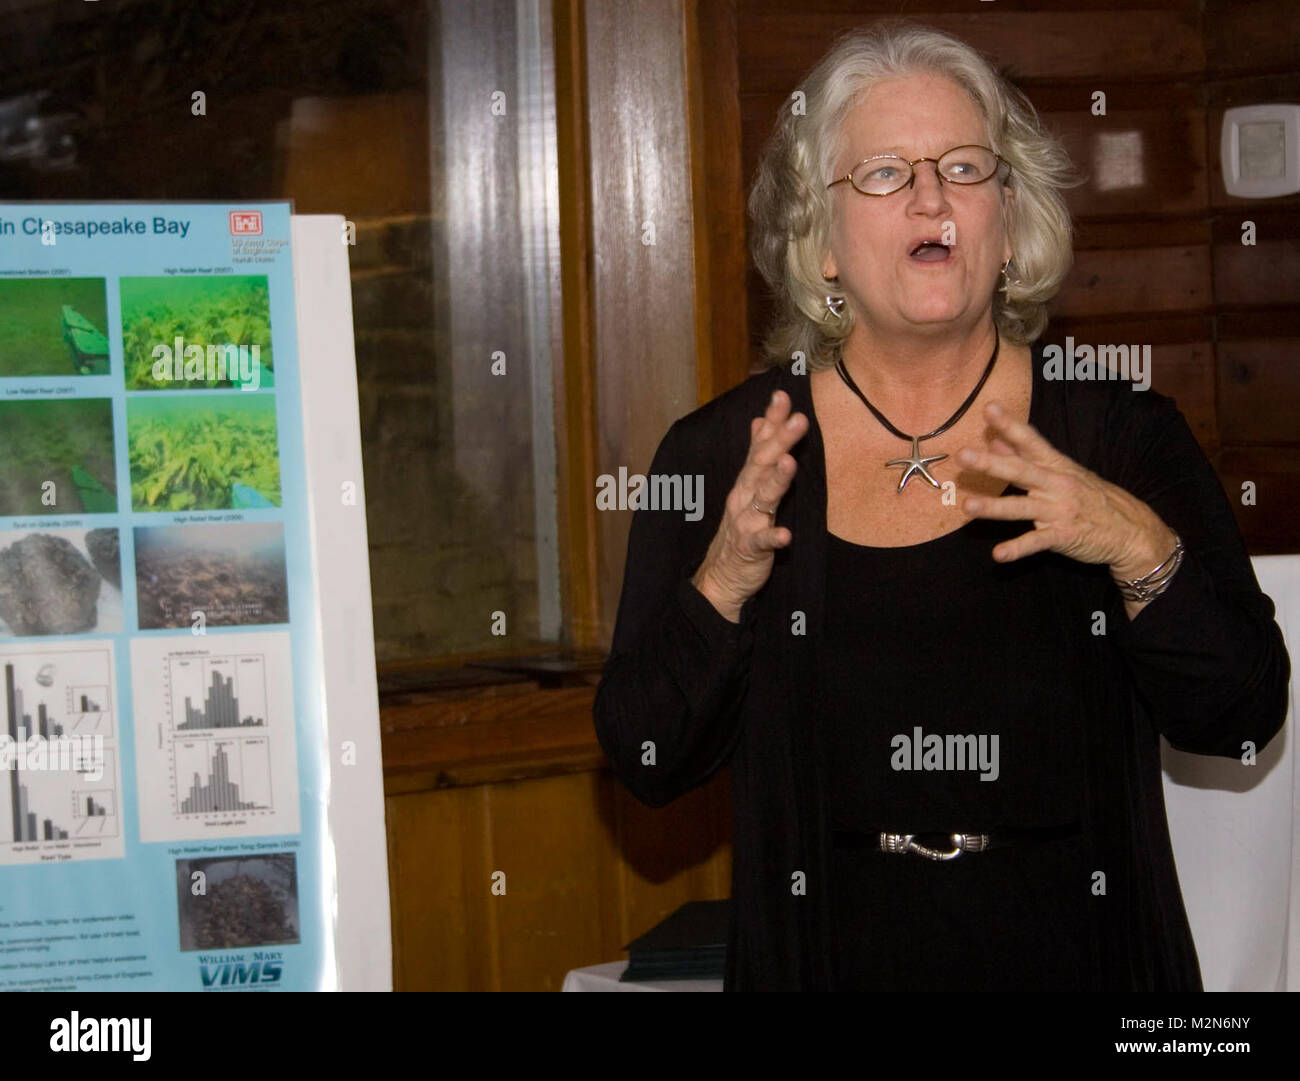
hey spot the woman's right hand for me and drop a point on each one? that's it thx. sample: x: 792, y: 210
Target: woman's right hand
x: 739, y: 560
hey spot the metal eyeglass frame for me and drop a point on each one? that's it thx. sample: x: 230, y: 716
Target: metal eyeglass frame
x: 911, y: 169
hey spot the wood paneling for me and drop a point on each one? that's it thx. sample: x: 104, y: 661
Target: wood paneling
x: 1243, y: 38
x: 1091, y: 234
x: 778, y: 48
x: 1252, y: 57
x: 477, y: 739
x: 1181, y: 362
x: 722, y: 311
x: 1266, y: 272
x: 670, y: 855
x: 542, y: 837
x: 1273, y: 523
x: 1140, y: 162
x: 1137, y: 280
x: 925, y: 11
x: 643, y: 248
x: 576, y: 377
x: 1259, y: 386
x: 430, y: 854
x: 586, y: 868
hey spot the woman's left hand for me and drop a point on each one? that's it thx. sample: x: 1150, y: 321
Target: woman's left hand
x: 1074, y: 511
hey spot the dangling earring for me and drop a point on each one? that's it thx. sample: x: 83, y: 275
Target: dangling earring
x: 834, y: 306
x: 1007, y: 279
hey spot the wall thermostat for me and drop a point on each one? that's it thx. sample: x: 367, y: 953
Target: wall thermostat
x: 1260, y: 151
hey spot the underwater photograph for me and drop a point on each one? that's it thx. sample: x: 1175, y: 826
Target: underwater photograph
x: 203, y: 452
x: 200, y: 311
x: 234, y: 574
x: 250, y: 901
x: 57, y: 457
x: 53, y: 326
x: 60, y: 581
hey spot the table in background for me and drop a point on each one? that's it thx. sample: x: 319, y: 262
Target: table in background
x: 606, y: 978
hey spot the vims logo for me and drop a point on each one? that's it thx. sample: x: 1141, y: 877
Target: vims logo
x: 261, y: 970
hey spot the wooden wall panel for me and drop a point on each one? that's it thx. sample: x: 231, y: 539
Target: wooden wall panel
x: 433, y: 841
x: 1109, y: 283
x: 777, y: 48
x: 1273, y: 523
x: 1185, y: 372
x: 548, y: 920
x: 1141, y: 162
x: 671, y: 855
x: 1252, y: 57
x: 642, y: 249
x: 575, y: 379
x: 587, y: 868
x: 1267, y: 272
x: 722, y: 312
x: 1259, y: 386
x: 1249, y: 38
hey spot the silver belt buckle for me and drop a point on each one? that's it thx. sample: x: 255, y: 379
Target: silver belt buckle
x: 903, y: 843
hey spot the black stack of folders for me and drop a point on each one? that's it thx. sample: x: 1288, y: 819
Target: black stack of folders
x: 691, y: 944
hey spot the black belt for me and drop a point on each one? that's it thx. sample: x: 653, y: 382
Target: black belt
x: 937, y: 845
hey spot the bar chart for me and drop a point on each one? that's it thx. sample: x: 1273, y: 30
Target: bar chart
x: 88, y: 710
x: 40, y: 808
x: 94, y: 803
x: 58, y: 714
x: 25, y: 819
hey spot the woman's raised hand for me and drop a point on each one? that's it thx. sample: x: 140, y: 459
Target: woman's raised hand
x: 739, y: 559
x: 1075, y: 512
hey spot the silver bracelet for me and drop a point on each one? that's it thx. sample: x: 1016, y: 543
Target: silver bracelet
x: 1155, y: 583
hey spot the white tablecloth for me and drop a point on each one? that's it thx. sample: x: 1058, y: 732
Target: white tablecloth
x: 1235, y: 840
x: 605, y: 978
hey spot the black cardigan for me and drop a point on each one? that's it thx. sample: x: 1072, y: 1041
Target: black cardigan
x: 1204, y: 664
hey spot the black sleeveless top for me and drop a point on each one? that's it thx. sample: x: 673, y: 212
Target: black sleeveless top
x: 941, y: 667
x: 938, y: 656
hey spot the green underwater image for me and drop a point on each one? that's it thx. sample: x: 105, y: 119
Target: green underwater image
x: 203, y: 452
x: 67, y: 445
x: 53, y: 326
x: 201, y: 311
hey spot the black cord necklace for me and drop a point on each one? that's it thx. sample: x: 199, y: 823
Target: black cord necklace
x: 914, y: 463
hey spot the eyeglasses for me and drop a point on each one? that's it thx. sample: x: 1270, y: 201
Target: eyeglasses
x: 885, y: 174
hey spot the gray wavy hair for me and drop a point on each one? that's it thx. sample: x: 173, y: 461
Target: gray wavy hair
x: 790, y: 207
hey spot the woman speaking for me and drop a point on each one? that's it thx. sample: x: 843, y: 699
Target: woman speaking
x: 940, y: 602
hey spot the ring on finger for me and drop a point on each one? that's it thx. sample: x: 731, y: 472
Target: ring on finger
x: 762, y: 510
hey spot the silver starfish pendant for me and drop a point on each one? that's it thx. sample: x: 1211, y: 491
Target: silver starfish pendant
x: 915, y: 464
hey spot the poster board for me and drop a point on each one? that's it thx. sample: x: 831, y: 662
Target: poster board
x: 192, y: 785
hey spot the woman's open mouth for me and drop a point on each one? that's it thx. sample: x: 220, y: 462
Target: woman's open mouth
x: 930, y: 251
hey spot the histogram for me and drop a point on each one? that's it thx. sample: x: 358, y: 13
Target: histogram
x: 220, y: 707
x: 221, y: 791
